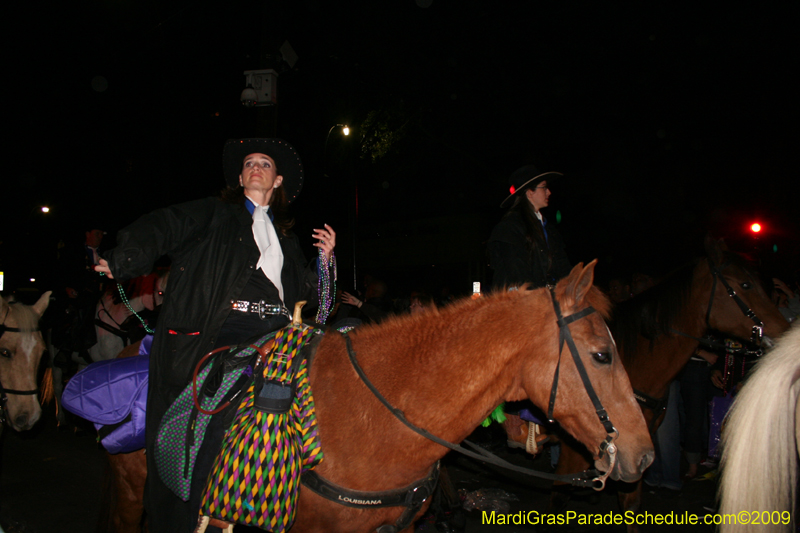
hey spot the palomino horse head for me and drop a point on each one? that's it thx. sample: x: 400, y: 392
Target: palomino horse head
x: 21, y: 348
x: 573, y: 407
x: 732, y: 273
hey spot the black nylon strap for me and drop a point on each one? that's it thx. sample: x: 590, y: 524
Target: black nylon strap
x: 657, y: 405
x: 717, y: 273
x: 3, y: 390
x: 581, y: 479
x: 413, y: 494
x: 565, y: 336
x: 4, y: 328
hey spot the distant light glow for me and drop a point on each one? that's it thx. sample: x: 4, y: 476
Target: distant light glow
x: 33, y: 280
x: 775, y: 248
x: 755, y: 227
x: 558, y: 217
x: 45, y: 209
x: 512, y: 189
x: 346, y: 130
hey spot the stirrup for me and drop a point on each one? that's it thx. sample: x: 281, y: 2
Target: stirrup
x: 531, y: 445
x: 204, y: 521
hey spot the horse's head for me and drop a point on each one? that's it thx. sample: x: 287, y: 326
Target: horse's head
x: 573, y: 406
x: 151, y: 289
x: 728, y: 313
x: 21, y: 348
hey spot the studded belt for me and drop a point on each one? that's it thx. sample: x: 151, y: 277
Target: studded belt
x: 263, y: 309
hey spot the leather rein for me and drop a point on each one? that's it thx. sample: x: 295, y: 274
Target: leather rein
x: 4, y: 391
x: 415, y: 494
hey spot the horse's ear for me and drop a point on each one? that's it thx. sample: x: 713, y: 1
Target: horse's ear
x: 715, y: 248
x: 41, y: 305
x: 581, y: 280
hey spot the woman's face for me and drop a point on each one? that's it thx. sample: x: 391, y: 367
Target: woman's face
x: 538, y: 196
x: 259, y: 173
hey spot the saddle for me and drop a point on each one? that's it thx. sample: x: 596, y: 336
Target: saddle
x: 113, y: 395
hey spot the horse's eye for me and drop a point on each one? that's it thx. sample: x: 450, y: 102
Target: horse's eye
x: 604, y: 358
x: 746, y: 285
x: 5, y: 353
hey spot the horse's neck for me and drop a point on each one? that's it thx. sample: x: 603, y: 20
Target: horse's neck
x: 658, y: 362
x: 444, y: 379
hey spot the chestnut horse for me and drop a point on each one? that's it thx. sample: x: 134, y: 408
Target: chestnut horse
x: 21, y: 348
x: 446, y: 370
x: 658, y: 331
x: 760, y: 443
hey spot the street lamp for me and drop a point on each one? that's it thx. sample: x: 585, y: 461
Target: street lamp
x: 353, y: 214
x: 345, y: 132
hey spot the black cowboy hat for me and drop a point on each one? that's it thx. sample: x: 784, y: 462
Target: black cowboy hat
x: 285, y: 156
x: 525, y: 177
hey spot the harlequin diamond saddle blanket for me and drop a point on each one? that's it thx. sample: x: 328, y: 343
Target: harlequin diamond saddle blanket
x: 255, y: 479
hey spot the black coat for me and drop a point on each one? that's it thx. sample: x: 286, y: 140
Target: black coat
x: 213, y: 255
x: 515, y: 263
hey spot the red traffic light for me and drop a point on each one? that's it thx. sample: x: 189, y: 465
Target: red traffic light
x: 755, y: 227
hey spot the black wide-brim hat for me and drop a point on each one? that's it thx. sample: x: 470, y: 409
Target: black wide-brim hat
x: 526, y: 177
x: 286, y: 159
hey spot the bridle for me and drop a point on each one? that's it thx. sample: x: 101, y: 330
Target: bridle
x: 566, y: 337
x: 589, y: 478
x: 757, y: 334
x: 4, y: 391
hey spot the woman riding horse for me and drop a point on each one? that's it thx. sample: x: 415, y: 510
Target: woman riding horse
x: 524, y: 247
x: 236, y: 269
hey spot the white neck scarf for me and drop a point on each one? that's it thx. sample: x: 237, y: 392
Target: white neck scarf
x: 271, y: 260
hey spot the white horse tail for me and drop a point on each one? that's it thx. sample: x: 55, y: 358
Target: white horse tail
x: 760, y: 444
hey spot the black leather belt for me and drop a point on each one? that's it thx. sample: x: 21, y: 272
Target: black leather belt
x: 262, y: 308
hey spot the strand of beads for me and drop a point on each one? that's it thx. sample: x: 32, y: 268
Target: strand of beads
x: 124, y: 298
x: 326, y: 286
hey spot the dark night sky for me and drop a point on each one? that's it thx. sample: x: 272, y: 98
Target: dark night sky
x: 665, y: 120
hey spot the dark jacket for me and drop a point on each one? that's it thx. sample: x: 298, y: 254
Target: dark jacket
x: 515, y: 262
x: 213, y: 255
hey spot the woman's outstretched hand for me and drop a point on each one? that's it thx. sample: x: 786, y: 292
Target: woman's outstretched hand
x: 327, y: 240
x: 103, y: 268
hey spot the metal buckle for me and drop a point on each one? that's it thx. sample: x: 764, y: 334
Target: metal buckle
x: 266, y: 310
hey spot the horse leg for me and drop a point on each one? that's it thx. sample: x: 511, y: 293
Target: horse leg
x: 631, y: 501
x: 128, y: 474
x: 58, y: 388
x: 569, y: 462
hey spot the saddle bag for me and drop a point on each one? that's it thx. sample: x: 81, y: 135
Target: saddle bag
x: 113, y: 395
x: 183, y: 426
x: 255, y: 479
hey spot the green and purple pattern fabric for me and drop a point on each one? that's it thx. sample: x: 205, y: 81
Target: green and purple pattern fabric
x: 255, y: 479
x: 174, y: 465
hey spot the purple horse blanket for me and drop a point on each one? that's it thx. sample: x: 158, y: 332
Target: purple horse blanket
x: 113, y: 395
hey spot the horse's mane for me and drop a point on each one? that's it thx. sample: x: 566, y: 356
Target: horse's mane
x: 759, y: 460
x: 653, y: 312
x: 467, y: 306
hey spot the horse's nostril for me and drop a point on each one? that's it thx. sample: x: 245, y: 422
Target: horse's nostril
x: 21, y: 422
x: 647, y: 460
